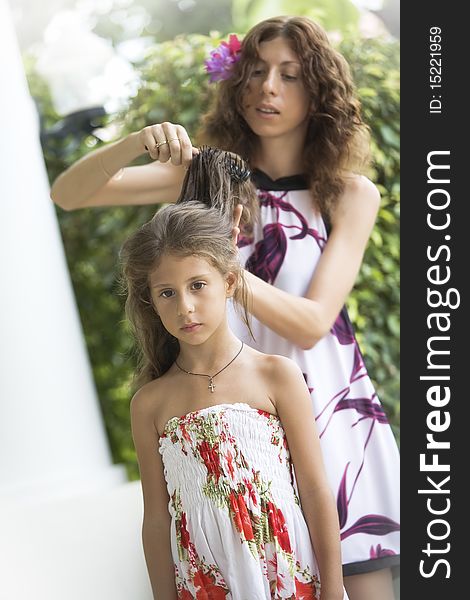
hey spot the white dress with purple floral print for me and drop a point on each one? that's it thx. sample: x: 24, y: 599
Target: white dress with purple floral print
x: 237, y: 529
x: 360, y: 453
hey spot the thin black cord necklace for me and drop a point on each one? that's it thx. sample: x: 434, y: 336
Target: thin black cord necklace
x: 211, y: 385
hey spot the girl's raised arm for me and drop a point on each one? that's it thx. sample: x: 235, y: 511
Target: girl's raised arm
x: 305, y: 320
x: 103, y: 178
x: 156, y: 522
x: 294, y: 407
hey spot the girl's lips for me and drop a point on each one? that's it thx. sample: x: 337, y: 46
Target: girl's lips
x: 266, y: 115
x: 191, y: 327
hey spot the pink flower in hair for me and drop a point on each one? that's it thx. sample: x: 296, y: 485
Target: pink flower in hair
x: 222, y: 60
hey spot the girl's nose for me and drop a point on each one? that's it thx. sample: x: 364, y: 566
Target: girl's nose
x: 185, y: 306
x: 270, y: 83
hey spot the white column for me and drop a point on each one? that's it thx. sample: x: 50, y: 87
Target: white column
x: 52, y: 439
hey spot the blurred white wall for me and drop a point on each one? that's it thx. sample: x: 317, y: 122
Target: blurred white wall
x: 81, y: 548
x: 70, y: 526
x: 51, y: 431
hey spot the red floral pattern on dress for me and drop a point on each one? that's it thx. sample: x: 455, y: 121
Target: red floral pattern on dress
x: 184, y: 532
x: 278, y: 527
x: 210, y: 456
x: 207, y: 589
x: 305, y: 591
x: 243, y: 516
x: 243, y: 493
x: 229, y: 460
x: 184, y: 432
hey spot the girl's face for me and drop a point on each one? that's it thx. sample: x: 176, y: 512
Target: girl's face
x: 275, y: 101
x: 189, y: 295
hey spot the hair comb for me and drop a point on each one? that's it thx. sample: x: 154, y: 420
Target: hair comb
x: 237, y: 168
x: 233, y: 164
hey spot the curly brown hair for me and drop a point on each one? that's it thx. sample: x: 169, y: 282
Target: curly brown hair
x: 337, y: 138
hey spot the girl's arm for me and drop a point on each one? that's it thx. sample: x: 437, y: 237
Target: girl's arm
x: 97, y: 180
x: 294, y: 406
x: 156, y: 522
x: 305, y: 320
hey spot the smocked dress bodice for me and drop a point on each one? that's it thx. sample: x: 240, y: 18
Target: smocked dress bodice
x: 237, y: 528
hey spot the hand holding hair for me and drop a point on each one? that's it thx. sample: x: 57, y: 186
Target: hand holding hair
x: 168, y: 142
x: 221, y: 179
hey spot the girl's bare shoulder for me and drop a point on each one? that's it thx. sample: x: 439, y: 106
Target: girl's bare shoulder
x: 360, y: 201
x: 359, y: 189
x: 274, y: 367
x: 149, y: 401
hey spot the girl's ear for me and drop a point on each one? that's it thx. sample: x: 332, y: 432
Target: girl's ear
x: 231, y: 281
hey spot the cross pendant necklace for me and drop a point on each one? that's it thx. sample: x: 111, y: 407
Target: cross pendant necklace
x: 211, y: 385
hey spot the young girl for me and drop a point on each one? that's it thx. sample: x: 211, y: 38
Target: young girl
x: 222, y: 518
x: 287, y: 104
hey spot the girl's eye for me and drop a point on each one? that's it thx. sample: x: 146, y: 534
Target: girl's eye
x: 257, y: 72
x: 288, y: 77
x: 198, y: 285
x: 166, y: 293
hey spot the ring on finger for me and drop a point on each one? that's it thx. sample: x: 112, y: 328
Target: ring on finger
x: 174, y: 139
x: 158, y: 144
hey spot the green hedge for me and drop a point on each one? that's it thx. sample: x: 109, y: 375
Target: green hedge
x: 174, y: 87
x: 374, y: 304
